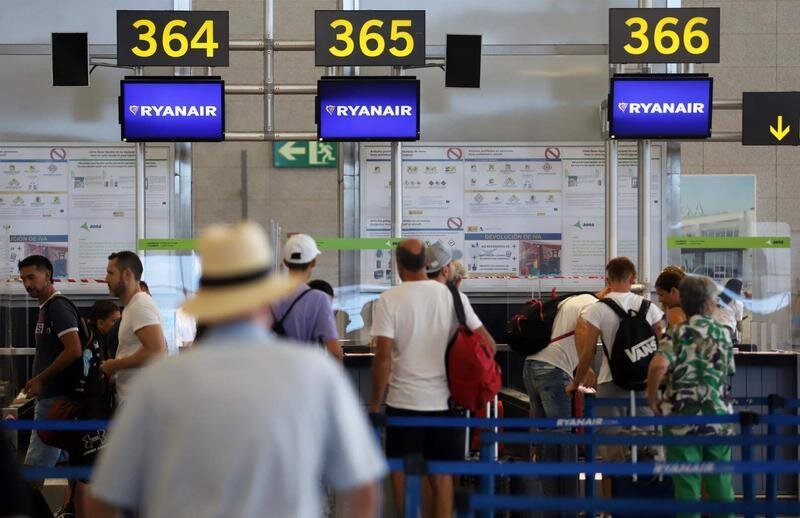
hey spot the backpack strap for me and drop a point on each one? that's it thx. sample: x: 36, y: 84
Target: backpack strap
x: 458, y: 304
x: 614, y: 307
x: 644, y: 308
x: 84, y: 333
x: 292, y: 306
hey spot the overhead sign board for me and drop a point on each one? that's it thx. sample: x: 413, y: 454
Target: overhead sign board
x: 304, y: 153
x: 367, y: 108
x: 369, y: 38
x: 172, y: 38
x: 771, y: 118
x: 686, y: 35
x: 660, y: 106
x: 172, y: 109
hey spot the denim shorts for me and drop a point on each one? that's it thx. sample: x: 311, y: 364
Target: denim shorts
x: 39, y: 454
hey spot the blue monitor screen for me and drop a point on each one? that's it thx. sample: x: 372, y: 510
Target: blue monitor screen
x: 368, y: 109
x: 660, y: 107
x: 166, y: 109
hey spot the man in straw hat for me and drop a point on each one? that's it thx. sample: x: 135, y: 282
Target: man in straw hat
x: 245, y: 424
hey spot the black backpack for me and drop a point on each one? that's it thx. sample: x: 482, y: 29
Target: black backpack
x: 85, y: 379
x: 90, y: 396
x: 634, y: 346
x: 530, y: 330
x: 277, y: 325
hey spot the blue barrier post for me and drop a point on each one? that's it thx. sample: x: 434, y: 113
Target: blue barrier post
x: 414, y: 468
x: 747, y: 420
x: 487, y: 481
x: 589, y: 483
x: 774, y: 402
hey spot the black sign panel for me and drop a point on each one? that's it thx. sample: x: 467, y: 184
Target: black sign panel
x: 369, y: 38
x: 689, y: 35
x: 172, y: 38
x: 771, y: 118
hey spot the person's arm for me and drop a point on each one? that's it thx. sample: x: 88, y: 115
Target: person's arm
x: 586, y: 341
x: 655, y: 374
x: 381, y: 368
x: 152, y: 340
x: 100, y: 509
x: 335, y: 349
x: 658, y: 329
x: 72, y: 351
x: 359, y: 502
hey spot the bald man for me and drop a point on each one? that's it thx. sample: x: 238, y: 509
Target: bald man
x: 412, y: 324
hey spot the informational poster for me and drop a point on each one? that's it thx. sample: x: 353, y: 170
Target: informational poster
x: 529, y: 212
x: 75, y: 204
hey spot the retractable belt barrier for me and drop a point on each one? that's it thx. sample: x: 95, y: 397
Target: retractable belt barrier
x: 485, y: 501
x: 487, y: 468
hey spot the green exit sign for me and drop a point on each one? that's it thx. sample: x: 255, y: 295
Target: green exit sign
x: 304, y: 153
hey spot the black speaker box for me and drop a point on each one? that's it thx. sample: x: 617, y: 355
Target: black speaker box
x: 463, y: 61
x: 70, y: 52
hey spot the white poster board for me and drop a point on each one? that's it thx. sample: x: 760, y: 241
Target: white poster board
x: 526, y: 216
x: 75, y: 204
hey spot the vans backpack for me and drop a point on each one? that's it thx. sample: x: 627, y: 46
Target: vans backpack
x: 473, y: 376
x: 529, y: 331
x: 634, y: 346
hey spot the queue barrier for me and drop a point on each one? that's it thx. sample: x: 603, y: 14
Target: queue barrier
x: 486, y: 501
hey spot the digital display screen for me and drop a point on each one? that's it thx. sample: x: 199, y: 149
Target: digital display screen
x: 172, y: 109
x: 660, y: 107
x: 368, y: 108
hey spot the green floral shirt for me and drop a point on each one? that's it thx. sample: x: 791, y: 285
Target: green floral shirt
x: 700, y: 356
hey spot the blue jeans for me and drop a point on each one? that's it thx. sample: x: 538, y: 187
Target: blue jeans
x: 545, y: 385
x: 39, y: 454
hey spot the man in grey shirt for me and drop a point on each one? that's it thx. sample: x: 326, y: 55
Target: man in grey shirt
x: 244, y: 424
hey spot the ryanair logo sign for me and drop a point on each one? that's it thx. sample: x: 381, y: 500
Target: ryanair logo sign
x: 173, y: 110
x: 642, y: 108
x: 357, y: 110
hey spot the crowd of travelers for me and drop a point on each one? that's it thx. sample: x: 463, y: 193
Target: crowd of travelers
x: 251, y: 421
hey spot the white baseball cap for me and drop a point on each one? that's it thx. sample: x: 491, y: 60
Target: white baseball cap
x: 300, y: 249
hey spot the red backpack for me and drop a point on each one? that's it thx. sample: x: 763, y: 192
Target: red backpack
x: 472, y: 374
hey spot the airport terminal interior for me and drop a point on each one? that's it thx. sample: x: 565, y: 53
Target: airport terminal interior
x: 524, y: 145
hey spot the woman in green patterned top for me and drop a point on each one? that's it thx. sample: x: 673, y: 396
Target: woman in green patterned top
x: 695, y: 359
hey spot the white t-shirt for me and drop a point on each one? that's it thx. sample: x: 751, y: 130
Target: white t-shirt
x: 563, y: 353
x: 603, y: 318
x: 140, y: 312
x: 729, y: 315
x: 420, y: 317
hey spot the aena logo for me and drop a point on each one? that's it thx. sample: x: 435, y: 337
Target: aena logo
x: 87, y: 227
x: 375, y: 110
x: 649, y: 108
x: 173, y: 111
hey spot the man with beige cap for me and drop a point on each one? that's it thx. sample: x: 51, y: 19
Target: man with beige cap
x: 245, y: 424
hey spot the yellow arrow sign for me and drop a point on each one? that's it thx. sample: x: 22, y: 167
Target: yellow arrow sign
x: 781, y: 131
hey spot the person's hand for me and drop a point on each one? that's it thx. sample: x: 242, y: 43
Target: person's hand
x: 572, y: 387
x: 33, y: 388
x: 108, y: 368
x: 654, y: 403
x: 589, y: 379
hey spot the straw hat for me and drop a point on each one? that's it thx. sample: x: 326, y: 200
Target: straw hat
x: 238, y: 274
